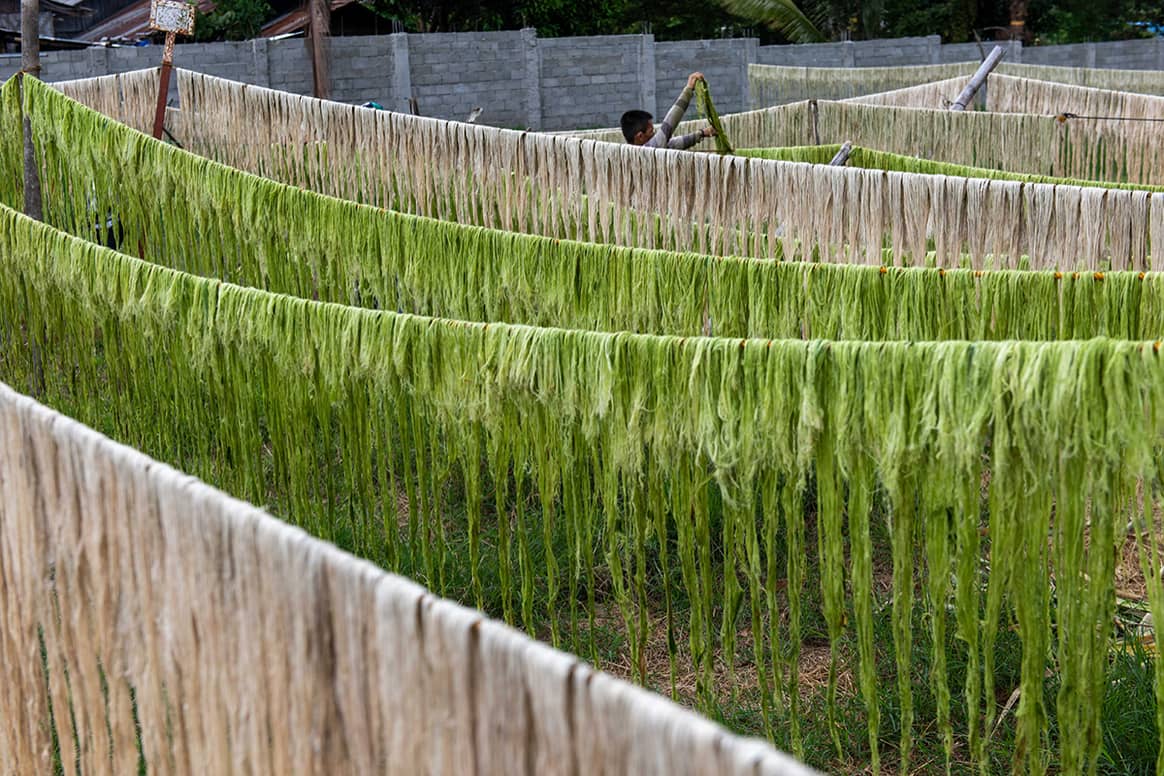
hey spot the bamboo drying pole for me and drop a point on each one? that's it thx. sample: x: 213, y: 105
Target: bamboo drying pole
x: 978, y: 79
x: 842, y: 157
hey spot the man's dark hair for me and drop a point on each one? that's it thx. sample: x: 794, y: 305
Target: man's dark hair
x: 634, y: 122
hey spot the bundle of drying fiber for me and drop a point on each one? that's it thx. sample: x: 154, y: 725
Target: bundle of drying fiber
x: 1104, y: 150
x: 1008, y: 94
x: 185, y: 631
x: 837, y: 214
x: 938, y: 95
x: 781, y: 84
x: 772, y: 85
x: 1138, y: 81
x: 612, y: 453
x: 219, y: 222
x: 91, y: 166
x: 1095, y: 150
x: 860, y: 156
x: 131, y: 97
x: 697, y: 202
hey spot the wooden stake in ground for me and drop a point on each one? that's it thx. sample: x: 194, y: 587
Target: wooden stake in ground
x: 979, y: 78
x: 171, y: 18
x: 30, y: 65
x: 318, y: 32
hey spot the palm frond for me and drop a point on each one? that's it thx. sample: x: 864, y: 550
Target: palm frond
x: 781, y: 15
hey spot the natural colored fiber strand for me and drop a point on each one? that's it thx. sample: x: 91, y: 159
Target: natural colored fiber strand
x: 750, y: 207
x: 128, y: 97
x: 782, y: 84
x: 1122, y: 151
x: 936, y: 94
x: 218, y: 639
x: 883, y: 160
x: 772, y: 85
x: 270, y: 397
x: 1010, y: 94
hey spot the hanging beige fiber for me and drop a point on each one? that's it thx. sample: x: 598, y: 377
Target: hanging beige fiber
x: 705, y: 202
x: 128, y: 97
x: 1008, y: 94
x: 222, y: 640
x: 937, y: 94
x: 782, y: 84
x: 772, y: 85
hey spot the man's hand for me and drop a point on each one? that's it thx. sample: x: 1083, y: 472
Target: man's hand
x: 693, y: 78
x: 708, y: 131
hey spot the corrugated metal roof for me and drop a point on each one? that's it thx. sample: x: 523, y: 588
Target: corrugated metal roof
x: 131, y: 23
x: 296, y: 20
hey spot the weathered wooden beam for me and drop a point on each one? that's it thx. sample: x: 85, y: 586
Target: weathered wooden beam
x: 30, y: 65
x: 978, y: 79
x: 319, y: 30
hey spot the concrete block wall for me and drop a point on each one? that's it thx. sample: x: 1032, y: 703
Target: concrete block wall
x: 807, y: 55
x: 952, y: 53
x: 1070, y: 55
x: 361, y: 69
x: 887, y: 52
x: 286, y: 65
x: 589, y: 82
x: 452, y: 73
x: 522, y: 80
x: 723, y: 62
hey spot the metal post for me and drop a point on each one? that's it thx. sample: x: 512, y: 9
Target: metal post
x: 171, y: 17
x: 164, y: 85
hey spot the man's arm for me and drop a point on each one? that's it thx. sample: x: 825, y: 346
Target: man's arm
x: 662, y: 136
x: 683, y: 142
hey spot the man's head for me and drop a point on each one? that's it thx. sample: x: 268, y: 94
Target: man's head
x: 637, y: 127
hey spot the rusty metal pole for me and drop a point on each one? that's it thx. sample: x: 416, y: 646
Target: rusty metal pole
x: 164, y: 85
x: 171, y: 17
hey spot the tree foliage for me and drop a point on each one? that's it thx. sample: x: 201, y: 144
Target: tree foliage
x: 232, y: 20
x: 678, y: 20
x: 773, y: 21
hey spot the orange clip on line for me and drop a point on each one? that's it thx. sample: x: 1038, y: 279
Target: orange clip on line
x: 884, y: 270
x: 1058, y: 276
x: 1156, y: 347
x: 1142, y: 276
x: 1098, y: 276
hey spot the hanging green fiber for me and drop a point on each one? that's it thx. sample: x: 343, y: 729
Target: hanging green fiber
x: 632, y: 446
x: 568, y: 188
x: 707, y: 109
x: 222, y: 223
